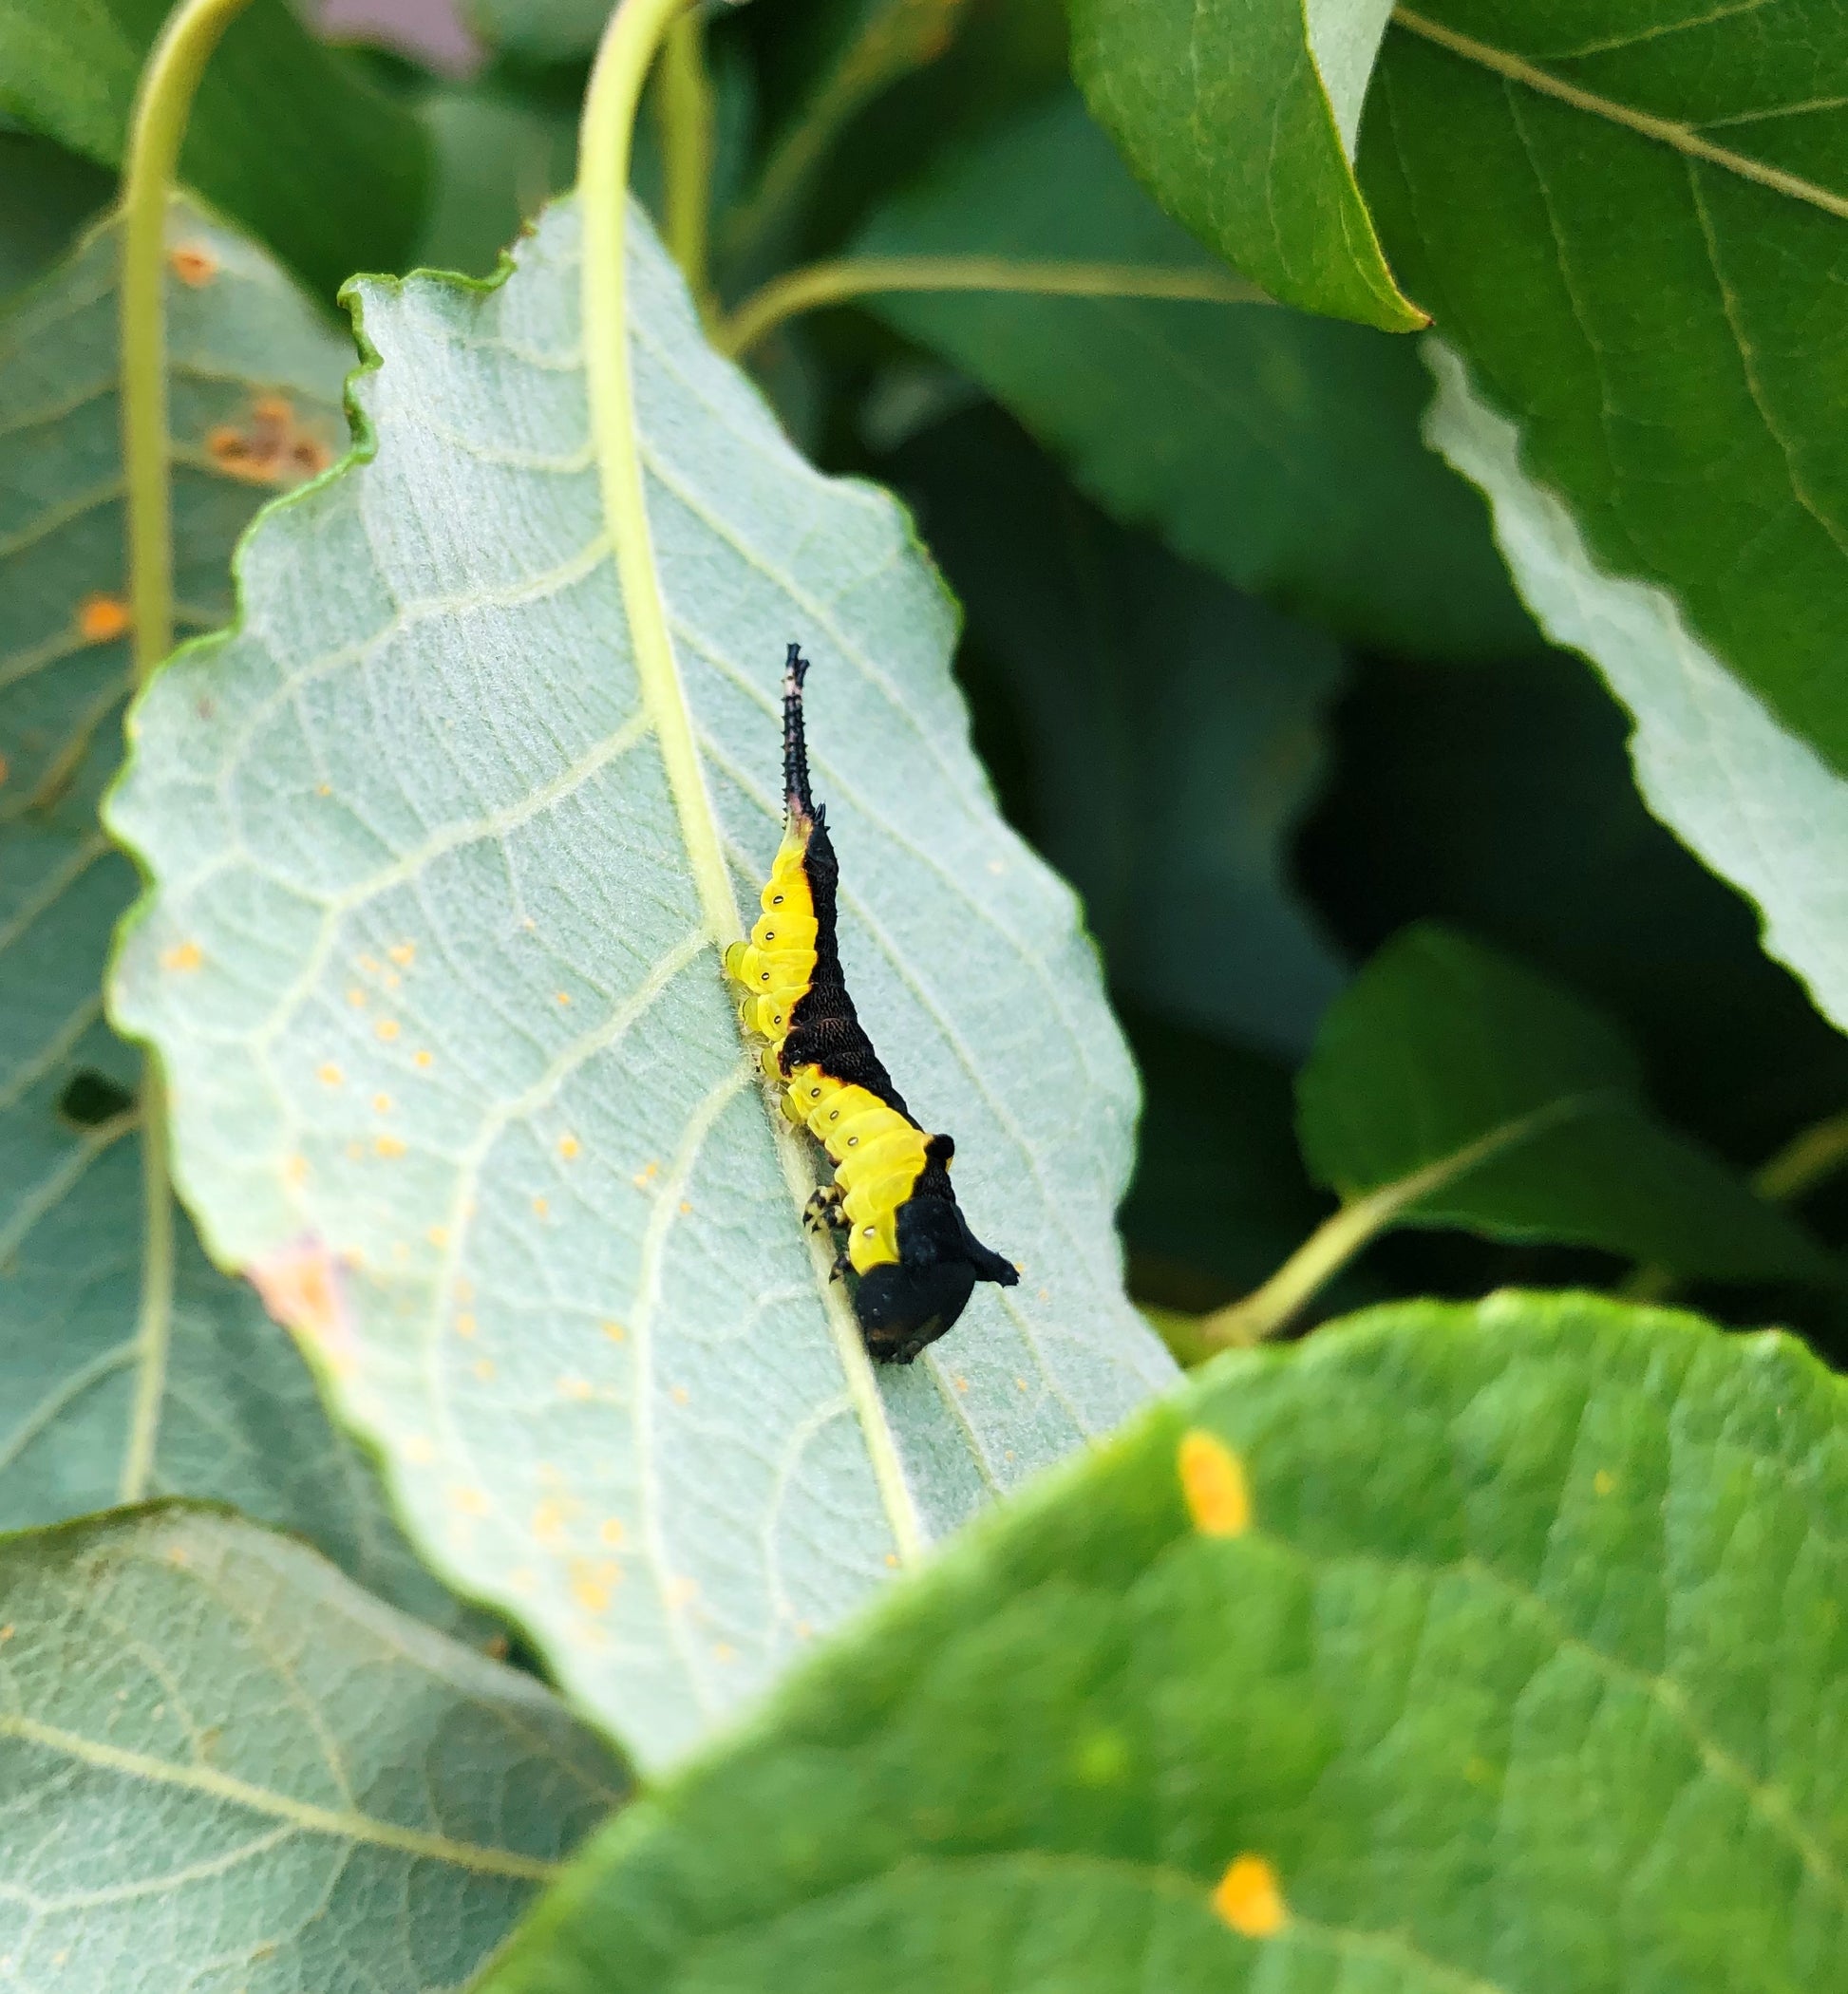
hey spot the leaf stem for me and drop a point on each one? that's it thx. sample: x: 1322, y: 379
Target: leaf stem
x: 623, y: 58
x: 835, y: 282
x: 685, y: 102
x: 1810, y: 1157
x: 163, y: 102
x: 1271, y: 1307
x: 154, y: 1319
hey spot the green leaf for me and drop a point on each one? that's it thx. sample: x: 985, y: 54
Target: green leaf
x: 227, y: 1766
x: 498, y: 160
x: 1175, y: 730
x: 541, y: 31
x: 97, y: 1401
x: 1242, y: 115
x: 457, y: 1073
x: 289, y: 136
x: 839, y: 57
x: 47, y: 194
x: 1750, y: 797
x: 1475, y: 1094
x: 1499, y: 799
x: 1631, y: 226
x: 1523, y: 1669
x: 1281, y: 452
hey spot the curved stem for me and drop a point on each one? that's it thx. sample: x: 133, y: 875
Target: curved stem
x: 1271, y: 1307
x: 833, y: 283
x: 163, y: 102
x: 623, y: 58
x: 686, y: 106
x: 1809, y: 1157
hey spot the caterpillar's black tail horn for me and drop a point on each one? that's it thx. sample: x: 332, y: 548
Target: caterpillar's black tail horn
x: 795, y: 736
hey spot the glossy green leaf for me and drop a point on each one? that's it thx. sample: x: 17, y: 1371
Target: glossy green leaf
x: 1175, y: 728
x: 1281, y: 452
x: 97, y: 1401
x: 1754, y: 800
x: 290, y: 136
x: 1519, y: 1667
x: 1632, y: 224
x: 1243, y: 114
x: 455, y: 1071
x: 226, y: 1767
x: 1508, y: 1107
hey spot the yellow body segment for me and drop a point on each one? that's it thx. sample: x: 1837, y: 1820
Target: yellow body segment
x: 877, y: 1152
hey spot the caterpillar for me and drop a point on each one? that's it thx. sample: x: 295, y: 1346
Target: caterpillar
x: 915, y: 1260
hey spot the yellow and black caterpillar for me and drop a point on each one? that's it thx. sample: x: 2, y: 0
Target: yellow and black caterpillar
x: 915, y: 1260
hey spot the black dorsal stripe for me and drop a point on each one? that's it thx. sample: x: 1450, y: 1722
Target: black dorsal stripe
x: 824, y: 1029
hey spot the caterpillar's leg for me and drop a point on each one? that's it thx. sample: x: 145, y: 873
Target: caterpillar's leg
x: 824, y: 1208
x: 842, y: 1264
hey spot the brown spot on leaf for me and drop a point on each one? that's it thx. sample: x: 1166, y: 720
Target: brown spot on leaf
x: 271, y: 446
x: 192, y: 264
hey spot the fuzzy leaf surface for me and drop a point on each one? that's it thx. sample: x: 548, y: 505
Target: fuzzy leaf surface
x: 1743, y: 790
x: 94, y: 1405
x: 227, y: 1766
x: 1494, y: 1649
x: 455, y: 1071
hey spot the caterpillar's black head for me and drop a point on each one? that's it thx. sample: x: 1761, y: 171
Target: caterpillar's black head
x: 906, y: 1304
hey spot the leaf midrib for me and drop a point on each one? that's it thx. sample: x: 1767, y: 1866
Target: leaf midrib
x: 304, y: 1815
x: 1681, y: 137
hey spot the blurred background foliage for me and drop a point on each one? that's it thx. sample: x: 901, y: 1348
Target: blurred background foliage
x: 1242, y: 660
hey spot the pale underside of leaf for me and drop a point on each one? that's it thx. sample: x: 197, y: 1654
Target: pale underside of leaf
x: 93, y: 1409
x: 455, y: 1072
x: 1751, y: 800
x: 224, y: 1764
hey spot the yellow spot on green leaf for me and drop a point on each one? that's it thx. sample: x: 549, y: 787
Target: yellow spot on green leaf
x: 569, y: 1146
x: 387, y: 1027
x: 1248, y: 1898
x: 1213, y: 1480
x: 388, y: 1145
x: 1603, y: 1482
x: 183, y: 956
x: 328, y: 1073
x: 402, y: 953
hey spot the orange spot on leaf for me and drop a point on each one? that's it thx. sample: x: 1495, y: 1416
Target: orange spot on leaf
x: 301, y: 1286
x: 1248, y: 1898
x: 192, y: 264
x: 270, y: 447
x: 1213, y: 1480
x: 102, y: 618
x: 183, y: 956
